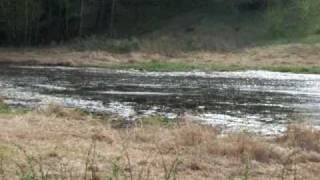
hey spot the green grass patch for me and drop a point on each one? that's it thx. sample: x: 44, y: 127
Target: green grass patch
x: 156, y: 121
x: 5, y: 151
x: 104, y: 43
x: 311, y: 39
x: 156, y: 66
x: 294, y: 69
x: 4, y: 109
x: 7, y: 110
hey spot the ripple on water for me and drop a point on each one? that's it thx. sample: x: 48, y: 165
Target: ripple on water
x: 216, y: 98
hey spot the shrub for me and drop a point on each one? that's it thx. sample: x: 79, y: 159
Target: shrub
x: 3, y: 107
x: 292, y: 18
x: 302, y: 137
x: 107, y: 44
x: 61, y: 112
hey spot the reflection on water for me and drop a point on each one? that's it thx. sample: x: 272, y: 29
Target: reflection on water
x: 258, y: 101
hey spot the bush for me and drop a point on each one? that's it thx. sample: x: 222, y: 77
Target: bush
x: 303, y: 137
x: 107, y: 44
x: 293, y: 18
x: 3, y: 107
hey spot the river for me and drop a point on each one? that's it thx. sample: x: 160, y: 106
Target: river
x: 257, y: 101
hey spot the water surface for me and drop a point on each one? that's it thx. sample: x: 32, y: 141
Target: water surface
x: 256, y: 101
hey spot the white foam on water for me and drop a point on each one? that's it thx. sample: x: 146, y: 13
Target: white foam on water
x: 310, y: 81
x: 134, y: 93
x: 33, y: 99
x: 234, y: 124
x: 312, y: 91
x: 142, y: 85
x: 238, y: 74
x: 52, y: 87
x: 124, y: 110
x: 261, y: 74
x: 228, y: 123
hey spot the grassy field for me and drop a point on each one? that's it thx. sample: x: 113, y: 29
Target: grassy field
x: 298, y: 58
x: 58, y: 143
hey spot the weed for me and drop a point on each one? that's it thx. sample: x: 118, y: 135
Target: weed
x: 106, y: 44
x: 61, y: 147
x: 155, y: 121
x: 116, y: 170
x: 59, y: 111
x: 91, y: 166
x: 303, y: 137
x: 4, y: 109
x: 158, y: 66
x: 29, y: 171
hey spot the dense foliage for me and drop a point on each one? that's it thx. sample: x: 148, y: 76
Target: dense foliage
x: 41, y: 21
x: 31, y: 22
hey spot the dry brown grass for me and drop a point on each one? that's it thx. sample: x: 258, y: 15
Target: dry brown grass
x: 291, y: 55
x: 302, y: 136
x: 56, y: 143
x: 61, y: 112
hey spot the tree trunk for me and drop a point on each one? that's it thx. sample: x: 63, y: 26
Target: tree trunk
x: 81, y: 18
x: 112, y: 16
x: 26, y: 23
x: 66, y: 18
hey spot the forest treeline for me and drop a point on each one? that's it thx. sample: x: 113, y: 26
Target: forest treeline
x: 33, y: 22
x: 42, y: 21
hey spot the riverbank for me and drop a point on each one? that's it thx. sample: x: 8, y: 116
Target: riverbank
x: 297, y: 58
x: 53, y: 143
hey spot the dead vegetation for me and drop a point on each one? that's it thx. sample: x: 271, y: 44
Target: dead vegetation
x: 291, y: 57
x: 58, y: 143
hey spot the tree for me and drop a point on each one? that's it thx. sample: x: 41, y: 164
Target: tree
x: 112, y: 16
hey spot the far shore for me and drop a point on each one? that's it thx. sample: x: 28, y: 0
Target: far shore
x: 296, y: 58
